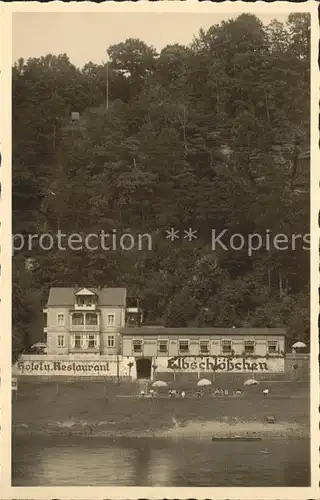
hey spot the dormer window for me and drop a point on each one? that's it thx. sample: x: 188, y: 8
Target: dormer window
x: 85, y: 299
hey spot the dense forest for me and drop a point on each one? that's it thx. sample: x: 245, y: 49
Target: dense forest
x: 213, y: 135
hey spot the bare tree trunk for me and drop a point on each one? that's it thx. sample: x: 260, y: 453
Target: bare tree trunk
x: 217, y: 97
x: 269, y: 274
x: 184, y: 131
x: 54, y: 138
x: 281, y: 292
x: 183, y: 126
x: 267, y: 107
x: 269, y: 282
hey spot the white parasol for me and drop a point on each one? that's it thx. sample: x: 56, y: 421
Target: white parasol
x: 299, y: 345
x: 159, y: 383
x: 203, y: 382
x: 251, y: 381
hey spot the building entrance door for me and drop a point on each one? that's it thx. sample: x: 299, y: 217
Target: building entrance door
x: 143, y: 368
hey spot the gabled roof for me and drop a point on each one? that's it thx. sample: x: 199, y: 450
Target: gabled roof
x: 85, y: 291
x: 65, y: 297
x: 226, y: 332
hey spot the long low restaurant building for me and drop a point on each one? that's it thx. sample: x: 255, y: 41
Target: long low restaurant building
x: 159, y: 352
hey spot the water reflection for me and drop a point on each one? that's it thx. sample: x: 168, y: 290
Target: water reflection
x: 160, y: 467
x: 141, y: 463
x: 152, y: 462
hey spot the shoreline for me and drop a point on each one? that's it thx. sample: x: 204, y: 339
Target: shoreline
x: 189, y: 430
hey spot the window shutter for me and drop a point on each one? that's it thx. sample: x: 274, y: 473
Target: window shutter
x: 72, y: 341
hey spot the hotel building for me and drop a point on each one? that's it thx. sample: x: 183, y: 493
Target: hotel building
x: 86, y: 321
x: 98, y: 332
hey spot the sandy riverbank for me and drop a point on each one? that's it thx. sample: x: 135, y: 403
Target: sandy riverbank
x: 206, y: 429
x: 84, y: 410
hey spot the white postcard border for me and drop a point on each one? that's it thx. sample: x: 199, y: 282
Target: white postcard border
x: 9, y: 492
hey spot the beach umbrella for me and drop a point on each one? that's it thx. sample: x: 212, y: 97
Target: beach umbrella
x: 299, y: 345
x: 39, y: 345
x: 251, y: 381
x: 159, y: 383
x: 203, y: 382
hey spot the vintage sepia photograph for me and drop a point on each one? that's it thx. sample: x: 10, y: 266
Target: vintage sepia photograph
x: 161, y: 237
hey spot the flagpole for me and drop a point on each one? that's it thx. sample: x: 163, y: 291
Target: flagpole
x: 107, y: 86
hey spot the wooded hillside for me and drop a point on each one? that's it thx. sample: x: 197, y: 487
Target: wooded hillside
x: 205, y: 136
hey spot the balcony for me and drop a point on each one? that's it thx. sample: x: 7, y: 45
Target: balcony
x: 132, y: 305
x: 133, y: 320
x: 85, y: 307
x: 84, y: 322
x: 134, y: 313
x: 84, y: 350
x: 84, y: 328
x: 132, y: 310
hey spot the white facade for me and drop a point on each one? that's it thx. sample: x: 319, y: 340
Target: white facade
x: 88, y: 322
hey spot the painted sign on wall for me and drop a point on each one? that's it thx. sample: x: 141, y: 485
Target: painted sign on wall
x: 63, y: 368
x: 221, y: 364
x: 108, y: 366
x: 90, y: 368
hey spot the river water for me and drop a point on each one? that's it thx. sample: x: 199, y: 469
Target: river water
x: 159, y: 462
